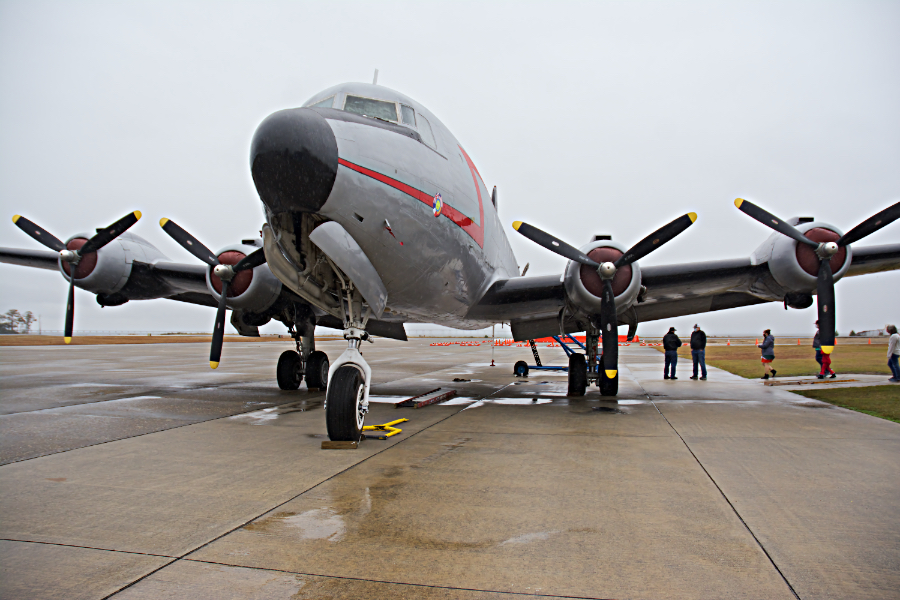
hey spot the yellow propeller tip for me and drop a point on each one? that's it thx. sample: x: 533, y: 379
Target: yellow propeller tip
x: 738, y: 202
x: 611, y: 373
x: 517, y: 224
x: 163, y: 221
x: 16, y: 218
x: 213, y: 364
x: 693, y: 217
x: 138, y: 215
x: 67, y: 340
x: 827, y: 349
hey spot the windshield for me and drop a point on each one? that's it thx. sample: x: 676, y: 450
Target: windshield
x: 371, y: 108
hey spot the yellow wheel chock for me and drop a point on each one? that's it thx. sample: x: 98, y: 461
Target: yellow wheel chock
x: 389, y: 427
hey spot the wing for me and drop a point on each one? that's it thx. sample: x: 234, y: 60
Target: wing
x: 536, y: 306
x: 39, y: 259
x: 146, y: 281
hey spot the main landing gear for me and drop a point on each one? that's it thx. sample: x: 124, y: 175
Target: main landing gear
x: 585, y: 370
x: 293, y: 365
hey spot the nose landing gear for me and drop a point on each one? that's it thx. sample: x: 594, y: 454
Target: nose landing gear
x: 347, y: 400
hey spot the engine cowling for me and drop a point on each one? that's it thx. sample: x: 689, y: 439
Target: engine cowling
x: 107, y: 270
x: 795, y: 266
x: 585, y: 288
x: 253, y: 290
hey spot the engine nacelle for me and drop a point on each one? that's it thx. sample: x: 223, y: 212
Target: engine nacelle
x: 107, y: 270
x: 253, y: 290
x: 795, y: 266
x: 585, y: 288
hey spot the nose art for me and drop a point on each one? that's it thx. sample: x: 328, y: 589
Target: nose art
x: 294, y: 161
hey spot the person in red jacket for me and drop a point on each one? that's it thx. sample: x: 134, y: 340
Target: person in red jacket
x: 826, y: 367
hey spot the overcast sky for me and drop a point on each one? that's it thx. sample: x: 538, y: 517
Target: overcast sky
x: 599, y: 117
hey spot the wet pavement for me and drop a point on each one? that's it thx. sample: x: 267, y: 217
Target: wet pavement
x: 137, y: 472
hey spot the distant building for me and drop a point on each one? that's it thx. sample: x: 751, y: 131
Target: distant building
x: 868, y: 333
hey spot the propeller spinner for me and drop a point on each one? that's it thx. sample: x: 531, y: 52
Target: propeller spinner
x: 607, y: 271
x: 74, y: 256
x: 824, y: 251
x: 225, y: 272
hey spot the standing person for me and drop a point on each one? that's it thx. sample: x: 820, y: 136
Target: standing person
x: 768, y: 352
x: 698, y: 351
x: 817, y: 346
x: 894, y: 353
x: 671, y: 344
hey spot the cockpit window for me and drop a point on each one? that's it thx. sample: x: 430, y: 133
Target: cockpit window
x: 326, y: 103
x: 425, y: 132
x: 371, y: 108
x: 408, y: 115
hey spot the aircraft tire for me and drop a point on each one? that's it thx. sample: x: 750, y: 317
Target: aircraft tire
x: 343, y: 416
x: 288, y: 371
x: 577, y: 375
x: 520, y: 369
x: 317, y: 370
x: 608, y: 387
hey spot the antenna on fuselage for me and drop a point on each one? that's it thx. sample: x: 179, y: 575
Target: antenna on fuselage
x: 375, y: 79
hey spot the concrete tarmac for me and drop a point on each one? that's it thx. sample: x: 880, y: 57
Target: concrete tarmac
x: 136, y: 472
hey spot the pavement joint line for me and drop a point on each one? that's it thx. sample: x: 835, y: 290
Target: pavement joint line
x: 280, y: 504
x: 12, y: 462
x: 419, y: 585
x: 737, y: 514
x: 88, y: 548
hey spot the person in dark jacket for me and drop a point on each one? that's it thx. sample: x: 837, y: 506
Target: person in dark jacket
x: 698, y: 351
x: 767, y: 349
x: 817, y: 346
x: 671, y: 344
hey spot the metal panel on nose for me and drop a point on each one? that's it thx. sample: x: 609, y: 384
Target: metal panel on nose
x: 294, y: 161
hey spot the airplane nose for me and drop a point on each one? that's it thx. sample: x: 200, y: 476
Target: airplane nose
x: 294, y: 161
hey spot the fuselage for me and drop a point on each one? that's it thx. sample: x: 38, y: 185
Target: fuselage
x: 391, y: 158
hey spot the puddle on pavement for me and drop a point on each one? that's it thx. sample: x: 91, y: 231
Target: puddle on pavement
x: 268, y: 415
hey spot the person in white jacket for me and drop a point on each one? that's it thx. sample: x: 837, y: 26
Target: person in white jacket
x: 893, y: 353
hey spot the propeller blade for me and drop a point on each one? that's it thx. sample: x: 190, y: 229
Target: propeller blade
x: 609, y: 324
x: 70, y: 310
x: 664, y: 234
x: 215, y: 351
x: 825, y: 303
x: 256, y: 258
x: 871, y: 225
x: 770, y: 220
x: 105, y: 236
x: 553, y: 244
x: 188, y: 242
x: 38, y: 233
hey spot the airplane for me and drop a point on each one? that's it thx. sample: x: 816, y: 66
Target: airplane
x: 376, y: 216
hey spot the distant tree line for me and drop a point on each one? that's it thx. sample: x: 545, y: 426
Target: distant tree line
x: 12, y: 321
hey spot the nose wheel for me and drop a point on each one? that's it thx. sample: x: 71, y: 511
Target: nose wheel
x: 345, y: 410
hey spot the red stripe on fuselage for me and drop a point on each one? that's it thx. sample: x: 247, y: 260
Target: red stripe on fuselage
x: 468, y: 225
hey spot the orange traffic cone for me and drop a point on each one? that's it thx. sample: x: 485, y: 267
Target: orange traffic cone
x: 729, y: 343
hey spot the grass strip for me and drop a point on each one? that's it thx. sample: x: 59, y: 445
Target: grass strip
x: 881, y: 401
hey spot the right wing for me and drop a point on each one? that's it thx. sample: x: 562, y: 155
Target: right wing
x: 537, y: 306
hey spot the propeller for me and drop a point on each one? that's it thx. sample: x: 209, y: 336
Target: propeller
x: 824, y: 252
x: 74, y: 256
x: 607, y: 271
x: 223, y: 271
